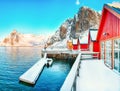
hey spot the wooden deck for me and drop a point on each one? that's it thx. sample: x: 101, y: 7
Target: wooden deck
x: 95, y: 76
x: 59, y: 51
x: 91, y: 75
x: 66, y: 51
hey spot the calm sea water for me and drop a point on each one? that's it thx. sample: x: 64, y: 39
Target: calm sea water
x: 14, y: 61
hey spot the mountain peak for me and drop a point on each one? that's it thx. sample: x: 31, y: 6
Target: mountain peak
x: 14, y: 31
x: 84, y: 7
x: 85, y: 19
x: 18, y: 39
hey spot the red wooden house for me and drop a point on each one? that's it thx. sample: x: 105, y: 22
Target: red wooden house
x: 75, y: 44
x: 92, y: 40
x: 83, y: 41
x: 88, y: 41
x: 109, y: 37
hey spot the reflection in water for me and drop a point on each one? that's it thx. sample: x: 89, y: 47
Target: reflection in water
x: 14, y: 61
x: 14, y: 52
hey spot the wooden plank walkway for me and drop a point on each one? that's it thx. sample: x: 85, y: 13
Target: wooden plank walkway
x: 95, y: 76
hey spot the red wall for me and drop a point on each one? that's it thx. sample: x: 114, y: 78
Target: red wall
x: 84, y: 46
x: 111, y: 26
x: 96, y: 48
x: 75, y: 47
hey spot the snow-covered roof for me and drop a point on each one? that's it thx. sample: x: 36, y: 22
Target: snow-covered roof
x: 75, y: 41
x: 83, y: 39
x: 115, y: 4
x: 93, y: 34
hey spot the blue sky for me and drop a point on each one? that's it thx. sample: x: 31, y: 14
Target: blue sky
x: 40, y: 16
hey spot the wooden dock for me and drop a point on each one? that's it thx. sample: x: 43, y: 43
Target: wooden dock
x: 95, y: 76
x: 66, y: 51
x: 89, y: 54
x: 32, y: 74
x: 61, y: 54
x: 71, y: 81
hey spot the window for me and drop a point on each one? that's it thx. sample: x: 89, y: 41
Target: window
x: 117, y: 55
x: 108, y: 53
x: 102, y: 50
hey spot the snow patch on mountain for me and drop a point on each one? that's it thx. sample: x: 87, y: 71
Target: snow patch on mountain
x: 73, y: 28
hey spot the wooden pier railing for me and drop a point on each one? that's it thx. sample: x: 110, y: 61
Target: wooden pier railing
x: 70, y: 81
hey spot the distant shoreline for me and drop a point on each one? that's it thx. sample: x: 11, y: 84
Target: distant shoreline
x: 22, y: 46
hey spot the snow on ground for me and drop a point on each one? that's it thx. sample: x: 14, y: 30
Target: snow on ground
x: 58, y: 46
x: 95, y: 76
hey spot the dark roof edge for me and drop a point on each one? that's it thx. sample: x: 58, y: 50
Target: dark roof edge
x: 114, y: 9
x: 93, y: 29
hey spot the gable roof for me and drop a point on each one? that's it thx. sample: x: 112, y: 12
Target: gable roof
x: 112, y: 9
x: 116, y: 10
x: 93, y: 34
x: 75, y: 41
x: 83, y: 39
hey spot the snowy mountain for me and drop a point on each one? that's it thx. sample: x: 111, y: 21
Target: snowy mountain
x: 17, y: 39
x: 85, y: 19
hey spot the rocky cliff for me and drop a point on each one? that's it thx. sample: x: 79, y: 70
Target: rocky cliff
x: 18, y: 39
x: 85, y: 18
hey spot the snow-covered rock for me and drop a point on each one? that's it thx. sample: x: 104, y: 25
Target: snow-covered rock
x: 85, y: 19
x: 17, y: 39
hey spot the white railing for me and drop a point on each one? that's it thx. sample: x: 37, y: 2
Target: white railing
x: 70, y: 81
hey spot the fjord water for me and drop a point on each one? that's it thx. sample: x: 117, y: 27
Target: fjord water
x: 14, y: 61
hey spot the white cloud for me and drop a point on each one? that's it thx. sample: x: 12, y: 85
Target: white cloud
x: 77, y: 2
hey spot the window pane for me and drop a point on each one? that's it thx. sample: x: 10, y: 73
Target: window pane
x: 108, y: 52
x: 102, y: 50
x: 116, y: 54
